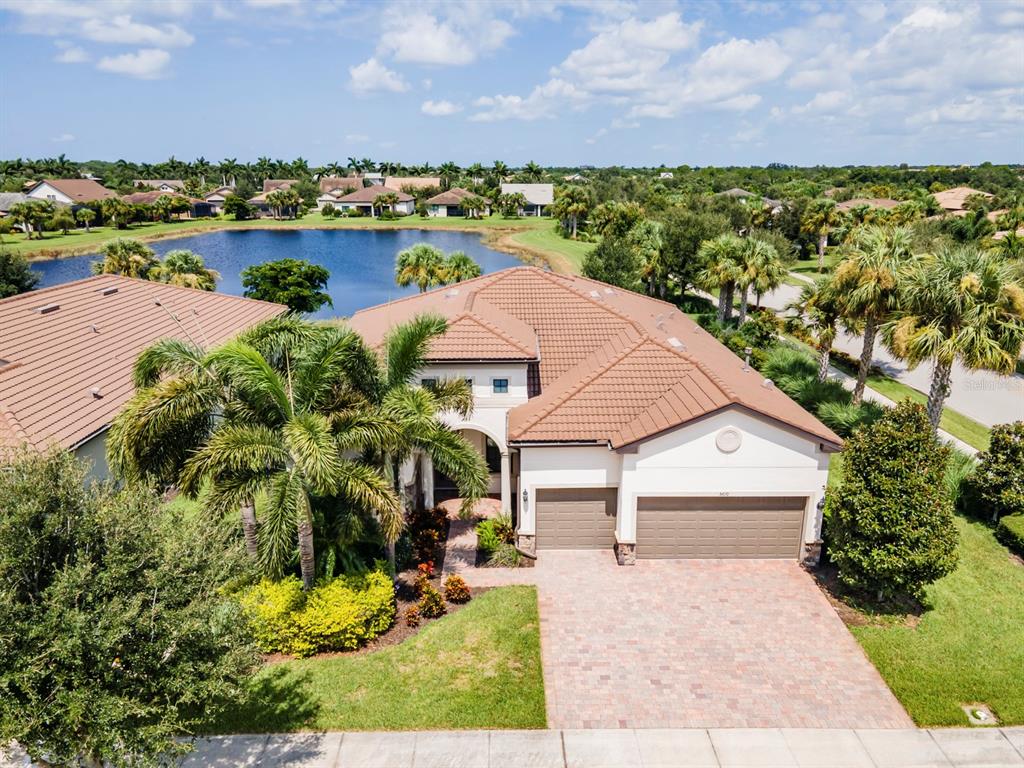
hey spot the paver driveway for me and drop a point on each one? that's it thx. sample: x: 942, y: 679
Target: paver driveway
x: 696, y: 643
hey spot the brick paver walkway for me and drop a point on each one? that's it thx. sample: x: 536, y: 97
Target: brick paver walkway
x: 695, y: 644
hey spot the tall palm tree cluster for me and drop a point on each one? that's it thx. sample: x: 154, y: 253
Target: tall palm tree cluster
x: 956, y: 303
x: 302, y: 430
x: 132, y: 258
x: 733, y: 263
x: 427, y: 267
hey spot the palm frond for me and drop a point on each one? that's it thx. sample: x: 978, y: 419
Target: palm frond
x: 324, y: 365
x: 285, y: 502
x: 452, y: 454
x: 406, y: 347
x: 164, y: 357
x: 453, y: 395
x: 252, y: 379
x: 313, y: 449
x: 236, y: 450
x: 366, y: 487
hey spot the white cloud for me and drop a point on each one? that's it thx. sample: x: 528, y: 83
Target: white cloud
x: 824, y: 102
x: 122, y: 30
x: 70, y: 54
x: 541, y: 103
x: 63, y: 138
x: 356, y: 138
x: 371, y: 75
x: 440, y: 108
x: 145, y: 64
x: 422, y: 38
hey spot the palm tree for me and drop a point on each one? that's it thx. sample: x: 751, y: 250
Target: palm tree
x: 116, y: 211
x: 645, y: 238
x: 389, y: 199
x: 500, y: 170
x: 474, y: 206
x: 31, y: 214
x: 421, y: 264
x: 533, y: 171
x: 63, y: 218
x: 721, y: 257
x: 818, y: 220
x: 868, y: 280
x: 960, y: 304
x: 971, y: 227
x: 571, y: 204
x: 761, y: 268
x: 449, y: 172
x: 185, y: 268
x: 85, y: 216
x: 127, y: 257
x: 355, y: 164
x: 821, y: 307
x: 459, y: 266
x: 416, y: 411
x: 281, y: 425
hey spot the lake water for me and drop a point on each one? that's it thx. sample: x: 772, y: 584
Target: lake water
x: 361, y: 262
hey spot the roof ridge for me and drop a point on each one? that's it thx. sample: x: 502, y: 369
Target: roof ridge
x: 603, y: 305
x: 15, y: 426
x: 521, y: 345
x: 583, y: 382
x: 36, y: 291
x: 486, y: 279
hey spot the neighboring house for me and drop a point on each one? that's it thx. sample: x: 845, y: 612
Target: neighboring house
x: 163, y: 185
x: 70, y: 191
x: 332, y: 189
x: 739, y: 194
x: 330, y: 183
x: 538, y: 197
x: 953, y: 200
x: 870, y: 202
x: 216, y: 198
x: 374, y: 179
x: 575, y: 177
x: 449, y: 203
x: 365, y: 199
x: 269, y: 185
x: 612, y: 420
x: 9, y: 200
x: 402, y: 183
x: 666, y: 175
x: 66, y: 353
x: 198, y: 208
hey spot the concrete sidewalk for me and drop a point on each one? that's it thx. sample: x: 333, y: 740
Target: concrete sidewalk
x: 623, y: 748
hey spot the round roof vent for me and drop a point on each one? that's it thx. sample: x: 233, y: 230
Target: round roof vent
x: 728, y: 440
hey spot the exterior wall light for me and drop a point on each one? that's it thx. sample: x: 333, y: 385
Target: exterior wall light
x: 526, y: 499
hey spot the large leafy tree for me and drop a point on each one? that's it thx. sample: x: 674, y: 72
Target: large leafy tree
x: 116, y: 211
x: 422, y: 265
x: 126, y: 257
x: 293, y: 282
x: 960, y: 304
x: 116, y: 633
x: 868, y: 278
x: 682, y: 235
x: 62, y: 219
x: 891, y: 519
x: 185, y: 268
x: 16, y: 276
x: 614, y: 219
x: 820, y: 217
x: 614, y: 261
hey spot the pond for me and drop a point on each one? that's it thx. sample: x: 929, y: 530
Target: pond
x: 361, y: 262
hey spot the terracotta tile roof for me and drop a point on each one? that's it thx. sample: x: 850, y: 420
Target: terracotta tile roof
x: 53, y: 360
x: 416, y: 182
x: 148, y: 198
x: 80, y: 190
x: 176, y: 183
x: 331, y: 183
x: 953, y: 199
x: 615, y: 367
x: 269, y: 185
x: 370, y: 194
x: 453, y: 196
x: 871, y: 202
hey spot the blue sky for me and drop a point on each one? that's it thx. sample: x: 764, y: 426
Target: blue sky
x: 568, y: 83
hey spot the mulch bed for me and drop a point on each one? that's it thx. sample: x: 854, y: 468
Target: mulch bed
x: 906, y: 611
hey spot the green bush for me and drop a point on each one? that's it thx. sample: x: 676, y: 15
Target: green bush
x: 355, y: 213
x: 996, y: 489
x: 958, y: 472
x: 487, y: 538
x: 505, y: 556
x: 845, y: 418
x: 431, y: 603
x: 890, y: 519
x: 427, y: 528
x: 1010, y: 531
x: 338, y: 615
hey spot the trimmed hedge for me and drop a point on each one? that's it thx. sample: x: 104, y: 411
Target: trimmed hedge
x: 1010, y: 531
x: 338, y: 615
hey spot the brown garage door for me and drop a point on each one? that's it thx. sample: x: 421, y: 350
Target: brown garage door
x: 576, y: 518
x: 726, y: 527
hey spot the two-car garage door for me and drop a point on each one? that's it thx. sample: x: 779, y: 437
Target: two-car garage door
x: 719, y: 527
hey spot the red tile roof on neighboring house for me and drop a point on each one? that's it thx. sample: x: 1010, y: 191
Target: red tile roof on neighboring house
x: 66, y: 352
x: 454, y: 196
x: 615, y: 367
x: 148, y: 198
x: 414, y: 182
x: 80, y: 190
x: 269, y: 185
x: 871, y: 202
x: 331, y: 183
x: 954, y: 199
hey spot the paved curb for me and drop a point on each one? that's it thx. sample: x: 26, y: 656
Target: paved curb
x: 625, y: 748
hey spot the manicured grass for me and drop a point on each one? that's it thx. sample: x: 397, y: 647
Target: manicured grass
x: 809, y: 266
x: 963, y: 427
x: 968, y: 648
x: 565, y: 255
x: 478, y: 668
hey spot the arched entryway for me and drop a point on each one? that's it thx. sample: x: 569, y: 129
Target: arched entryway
x: 499, y: 467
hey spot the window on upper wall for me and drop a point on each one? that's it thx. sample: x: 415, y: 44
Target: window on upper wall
x: 428, y: 383
x: 499, y: 386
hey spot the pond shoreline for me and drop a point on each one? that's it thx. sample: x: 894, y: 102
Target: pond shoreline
x: 497, y: 237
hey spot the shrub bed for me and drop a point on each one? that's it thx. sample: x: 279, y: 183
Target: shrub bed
x: 495, y: 543
x: 338, y: 615
x: 1010, y: 531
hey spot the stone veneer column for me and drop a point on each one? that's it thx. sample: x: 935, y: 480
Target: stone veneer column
x: 625, y: 553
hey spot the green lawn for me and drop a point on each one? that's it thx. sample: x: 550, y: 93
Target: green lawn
x: 809, y: 266
x: 479, y: 668
x: 969, y: 648
x: 963, y: 427
x: 545, y: 240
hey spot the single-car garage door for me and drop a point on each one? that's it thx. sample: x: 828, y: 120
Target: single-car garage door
x: 726, y: 527
x: 576, y: 518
